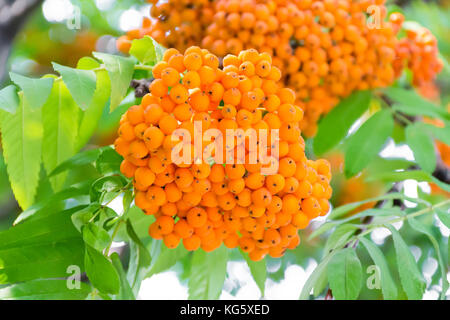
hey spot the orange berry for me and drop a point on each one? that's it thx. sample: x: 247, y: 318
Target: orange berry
x: 196, y: 217
x: 170, y: 76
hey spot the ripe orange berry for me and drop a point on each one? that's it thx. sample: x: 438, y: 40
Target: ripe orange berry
x: 196, y: 217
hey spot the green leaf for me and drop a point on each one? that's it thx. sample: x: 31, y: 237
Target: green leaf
x: 22, y: 141
x: 321, y: 230
x: 412, y: 280
x: 258, y: 270
x: 44, y: 290
x: 47, y: 230
x: 60, y: 121
x: 315, y: 277
x: 101, y: 272
x: 9, y: 100
x: 120, y: 71
x: 409, y: 102
x: 106, y: 187
x: 439, y: 133
x: 159, y: 50
x: 334, y: 127
x: 87, y: 63
x: 341, y: 235
x: 81, y: 84
x: 420, y: 227
x: 35, y: 91
x: 108, y: 161
x: 37, y: 261
x: 380, y: 164
x: 96, y: 237
x: 125, y: 292
x: 140, y: 260
x: 144, y: 50
x: 422, y: 146
x: 444, y: 216
x: 208, y: 271
x: 91, y: 117
x: 418, y: 175
x: 342, y: 210
x: 78, y: 160
x: 164, y: 258
x: 367, y: 142
x: 388, y: 286
x: 417, y: 110
x: 47, y: 205
x: 345, y: 275
x: 40, y: 248
x: 83, y: 217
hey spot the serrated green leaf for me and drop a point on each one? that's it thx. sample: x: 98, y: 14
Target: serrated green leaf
x: 208, y: 273
x: 35, y: 91
x: 315, y: 277
x: 411, y: 278
x: 422, y: 146
x: 106, y: 187
x: 46, y: 206
x: 95, y: 236
x: 91, y: 117
x: 87, y: 63
x: 334, y: 127
x: 444, y: 216
x: 44, y: 290
x: 439, y: 133
x: 144, y: 50
x: 40, y: 260
x: 164, y: 258
x: 409, y: 102
x: 101, y: 272
x: 380, y: 164
x: 417, y: 110
x: 420, y: 227
x: 79, y: 159
x: 345, y: 275
x: 367, y: 142
x: 22, y: 147
x: 342, y: 210
x: 258, y: 269
x: 125, y: 292
x: 387, y: 283
x: 9, y: 100
x: 60, y: 122
x: 47, y: 230
x: 81, y: 84
x: 84, y: 215
x: 108, y: 161
x: 321, y: 230
x: 120, y: 71
x: 140, y: 260
x: 418, y: 175
x: 339, y: 236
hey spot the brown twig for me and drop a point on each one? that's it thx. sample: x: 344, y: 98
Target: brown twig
x: 141, y: 87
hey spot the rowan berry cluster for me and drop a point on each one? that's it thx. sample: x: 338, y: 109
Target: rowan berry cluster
x: 176, y: 24
x: 419, y: 51
x: 326, y: 48
x: 206, y: 204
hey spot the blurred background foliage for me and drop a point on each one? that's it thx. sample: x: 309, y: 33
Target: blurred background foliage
x: 45, y: 38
